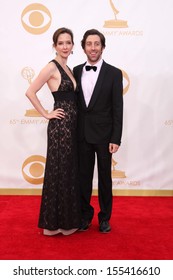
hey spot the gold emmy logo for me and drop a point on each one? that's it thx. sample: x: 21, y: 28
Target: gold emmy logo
x: 28, y: 74
x: 34, y: 165
x: 126, y: 82
x: 117, y: 173
x: 36, y: 18
x: 115, y: 23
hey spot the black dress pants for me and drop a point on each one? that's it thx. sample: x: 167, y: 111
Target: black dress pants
x: 87, y: 154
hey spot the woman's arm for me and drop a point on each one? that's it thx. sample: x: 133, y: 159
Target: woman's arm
x: 45, y: 74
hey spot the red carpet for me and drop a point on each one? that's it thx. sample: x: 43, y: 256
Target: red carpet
x: 142, y: 229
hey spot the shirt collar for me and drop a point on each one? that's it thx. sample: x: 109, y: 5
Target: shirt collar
x: 98, y: 64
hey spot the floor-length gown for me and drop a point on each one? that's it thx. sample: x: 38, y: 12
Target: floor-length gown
x: 60, y: 204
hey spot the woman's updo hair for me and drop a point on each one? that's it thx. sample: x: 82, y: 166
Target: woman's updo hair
x: 60, y: 31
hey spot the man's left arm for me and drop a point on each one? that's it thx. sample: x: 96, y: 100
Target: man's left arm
x: 117, y: 112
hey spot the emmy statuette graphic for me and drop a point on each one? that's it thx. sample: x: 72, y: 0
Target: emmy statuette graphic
x: 28, y: 74
x: 115, y: 23
x: 117, y: 173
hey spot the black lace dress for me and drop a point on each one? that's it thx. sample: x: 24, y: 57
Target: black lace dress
x: 60, y: 204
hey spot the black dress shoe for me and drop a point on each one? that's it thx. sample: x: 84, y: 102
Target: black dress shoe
x: 104, y: 227
x: 84, y: 225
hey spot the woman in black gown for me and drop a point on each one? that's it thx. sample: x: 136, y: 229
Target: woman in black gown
x: 60, y: 204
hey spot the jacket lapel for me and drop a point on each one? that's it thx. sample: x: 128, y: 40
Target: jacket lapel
x: 97, y: 86
x: 80, y: 87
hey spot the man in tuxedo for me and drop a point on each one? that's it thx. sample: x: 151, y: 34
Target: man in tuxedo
x: 100, y: 115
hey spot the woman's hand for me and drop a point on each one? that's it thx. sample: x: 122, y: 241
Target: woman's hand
x: 56, y: 114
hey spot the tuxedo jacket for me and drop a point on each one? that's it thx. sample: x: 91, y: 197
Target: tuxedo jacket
x: 101, y: 121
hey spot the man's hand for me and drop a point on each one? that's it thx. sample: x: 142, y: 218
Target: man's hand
x: 113, y: 148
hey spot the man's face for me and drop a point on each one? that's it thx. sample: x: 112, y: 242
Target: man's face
x: 93, y: 48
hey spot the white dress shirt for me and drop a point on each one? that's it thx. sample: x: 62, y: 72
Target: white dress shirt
x: 89, y: 79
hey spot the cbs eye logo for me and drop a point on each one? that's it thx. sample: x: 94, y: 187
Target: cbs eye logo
x: 33, y: 169
x: 36, y: 18
x: 126, y: 82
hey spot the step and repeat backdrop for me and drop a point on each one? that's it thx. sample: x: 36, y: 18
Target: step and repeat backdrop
x: 138, y: 41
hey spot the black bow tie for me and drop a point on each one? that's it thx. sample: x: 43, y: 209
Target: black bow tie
x: 88, y: 68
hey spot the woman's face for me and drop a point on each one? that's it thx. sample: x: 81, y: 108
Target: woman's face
x: 64, y: 45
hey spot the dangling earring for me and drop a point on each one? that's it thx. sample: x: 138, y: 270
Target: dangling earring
x: 71, y: 52
x: 56, y: 53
